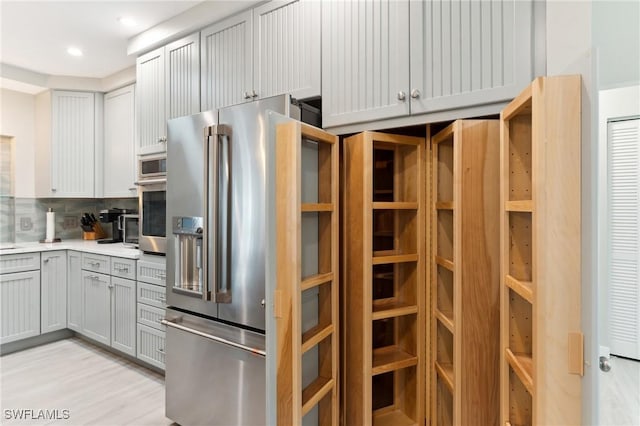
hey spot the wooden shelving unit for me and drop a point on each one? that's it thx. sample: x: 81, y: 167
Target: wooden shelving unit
x: 311, y: 208
x: 540, y: 254
x: 465, y: 274
x: 384, y: 236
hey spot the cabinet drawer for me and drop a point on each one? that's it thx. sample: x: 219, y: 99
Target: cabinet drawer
x: 96, y: 263
x: 152, y: 272
x: 124, y: 268
x: 22, y: 262
x: 150, y: 316
x: 151, y: 343
x: 153, y: 295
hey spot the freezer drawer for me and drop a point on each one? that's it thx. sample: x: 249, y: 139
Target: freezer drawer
x: 215, y: 374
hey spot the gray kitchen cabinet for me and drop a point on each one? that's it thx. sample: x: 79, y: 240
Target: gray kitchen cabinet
x: 365, y: 61
x: 19, y: 304
x: 74, y: 291
x: 119, y: 156
x: 468, y: 52
x: 53, y: 291
x: 385, y: 59
x: 96, y: 306
x: 167, y: 86
x: 266, y: 51
x: 123, y: 315
x: 151, y: 133
x: 151, y: 298
x: 226, y: 60
x: 151, y: 346
x: 286, y: 48
x: 66, y: 139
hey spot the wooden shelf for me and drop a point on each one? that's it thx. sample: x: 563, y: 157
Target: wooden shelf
x: 390, y: 308
x: 391, y: 358
x: 393, y: 418
x: 392, y: 256
x: 445, y: 263
x: 444, y: 134
x: 523, y: 366
x: 313, y: 393
x: 445, y: 372
x: 315, y: 335
x: 523, y: 288
x: 525, y: 206
x: 315, y: 280
x: 383, y: 276
x: 394, y: 205
x: 316, y: 207
x: 446, y: 320
x: 383, y: 234
x: 444, y: 205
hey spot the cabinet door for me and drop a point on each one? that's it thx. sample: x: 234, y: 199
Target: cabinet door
x: 20, y: 306
x: 365, y: 61
x: 287, y: 48
x: 151, y: 344
x: 469, y: 52
x: 150, y: 105
x: 226, y: 67
x: 53, y: 291
x: 96, y: 306
x: 182, y: 58
x: 74, y: 291
x: 119, y: 155
x: 72, y: 144
x: 123, y: 315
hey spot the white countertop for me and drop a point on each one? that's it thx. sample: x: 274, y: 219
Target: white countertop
x: 115, y: 249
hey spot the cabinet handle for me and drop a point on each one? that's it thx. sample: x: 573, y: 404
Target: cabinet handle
x: 247, y: 95
x: 162, y: 299
x: 415, y: 93
x: 45, y: 260
x: 162, y: 275
x: 110, y: 286
x: 53, y: 189
x: 254, y: 94
x: 133, y: 189
x: 161, y: 350
x: 401, y: 96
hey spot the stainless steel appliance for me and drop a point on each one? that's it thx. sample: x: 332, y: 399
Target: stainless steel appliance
x: 130, y: 229
x: 216, y: 239
x: 114, y: 217
x: 152, y: 183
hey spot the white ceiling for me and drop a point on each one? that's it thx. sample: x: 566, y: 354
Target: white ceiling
x: 35, y: 35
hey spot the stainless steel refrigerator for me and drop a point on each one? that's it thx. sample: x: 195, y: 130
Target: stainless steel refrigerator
x: 217, y: 182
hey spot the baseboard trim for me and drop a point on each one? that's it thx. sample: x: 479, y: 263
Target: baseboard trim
x: 34, y: 341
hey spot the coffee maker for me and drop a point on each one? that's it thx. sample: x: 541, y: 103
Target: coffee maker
x: 113, y: 216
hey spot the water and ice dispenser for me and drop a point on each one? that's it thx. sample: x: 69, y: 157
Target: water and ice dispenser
x: 189, y: 260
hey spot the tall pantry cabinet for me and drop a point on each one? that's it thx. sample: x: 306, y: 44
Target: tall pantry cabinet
x: 541, y: 358
x: 464, y: 285
x: 383, y: 301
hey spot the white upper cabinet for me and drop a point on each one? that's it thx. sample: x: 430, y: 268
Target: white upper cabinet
x: 469, y: 52
x: 182, y: 61
x: 226, y: 62
x: 384, y: 59
x: 151, y: 133
x: 286, y: 48
x: 119, y: 157
x: 365, y: 60
x: 67, y: 145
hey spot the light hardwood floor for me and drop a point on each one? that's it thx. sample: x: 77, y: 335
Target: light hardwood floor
x: 620, y: 393
x: 97, y: 387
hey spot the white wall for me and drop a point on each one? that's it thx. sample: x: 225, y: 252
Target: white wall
x: 17, y: 119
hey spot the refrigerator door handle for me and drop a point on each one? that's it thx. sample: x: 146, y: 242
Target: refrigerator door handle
x: 210, y: 232
x: 222, y: 289
x: 173, y: 324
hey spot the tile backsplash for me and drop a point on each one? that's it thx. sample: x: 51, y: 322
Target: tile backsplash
x: 30, y: 222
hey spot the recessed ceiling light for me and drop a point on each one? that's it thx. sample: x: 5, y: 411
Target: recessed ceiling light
x: 127, y: 21
x: 74, y: 51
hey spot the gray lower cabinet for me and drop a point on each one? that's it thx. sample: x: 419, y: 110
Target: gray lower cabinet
x: 74, y: 291
x: 151, y: 297
x: 53, y: 291
x: 96, y: 306
x: 19, y: 296
x: 123, y: 315
x: 19, y: 305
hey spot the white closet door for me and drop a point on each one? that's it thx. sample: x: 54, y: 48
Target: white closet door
x: 623, y: 187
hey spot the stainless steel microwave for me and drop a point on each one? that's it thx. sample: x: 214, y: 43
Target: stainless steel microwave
x: 152, y: 203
